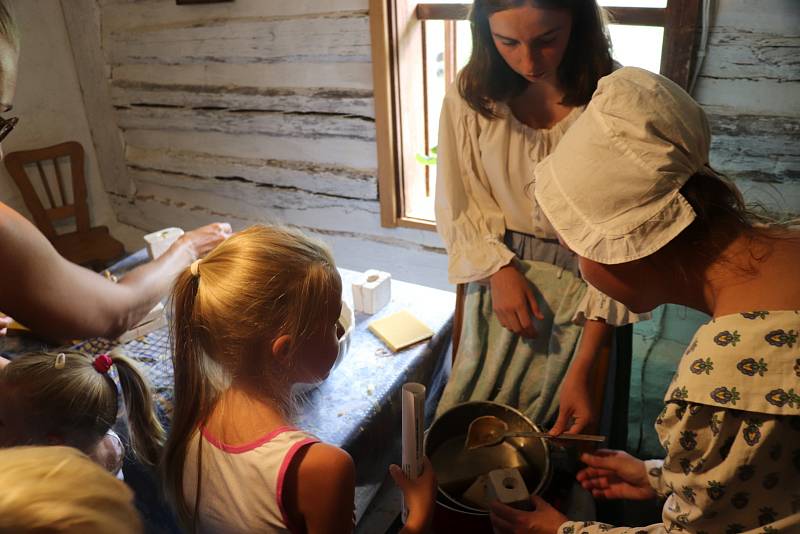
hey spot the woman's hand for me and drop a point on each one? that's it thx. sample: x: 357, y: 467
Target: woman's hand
x: 544, y: 519
x: 201, y: 241
x: 5, y: 322
x: 615, y: 475
x: 514, y: 302
x: 575, y: 405
x: 419, y: 496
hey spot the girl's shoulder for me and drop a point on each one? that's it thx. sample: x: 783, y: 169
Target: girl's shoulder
x: 319, y: 488
x: 326, y: 460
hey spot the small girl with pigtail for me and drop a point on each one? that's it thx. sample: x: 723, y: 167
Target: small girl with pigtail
x: 69, y: 399
x: 258, y: 314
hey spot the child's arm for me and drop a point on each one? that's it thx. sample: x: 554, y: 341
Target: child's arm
x: 419, y: 496
x: 575, y: 403
x: 319, y: 489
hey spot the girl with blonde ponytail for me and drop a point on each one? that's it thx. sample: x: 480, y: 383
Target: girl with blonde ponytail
x: 70, y: 399
x: 258, y: 314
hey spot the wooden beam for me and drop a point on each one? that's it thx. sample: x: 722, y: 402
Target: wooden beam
x: 633, y: 16
x: 383, y: 73
x: 636, y: 16
x: 82, y: 18
x: 680, y: 40
x: 443, y: 11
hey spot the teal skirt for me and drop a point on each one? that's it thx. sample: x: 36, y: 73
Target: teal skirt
x: 495, y: 364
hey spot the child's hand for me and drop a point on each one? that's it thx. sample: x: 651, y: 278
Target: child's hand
x: 575, y: 411
x: 615, y: 475
x: 544, y: 519
x: 419, y: 496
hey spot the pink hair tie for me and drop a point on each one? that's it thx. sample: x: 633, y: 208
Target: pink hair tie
x: 102, y: 363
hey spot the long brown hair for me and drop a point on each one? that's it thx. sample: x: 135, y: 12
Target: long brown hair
x: 259, y: 284
x: 80, y: 404
x: 487, y: 78
x: 721, y: 216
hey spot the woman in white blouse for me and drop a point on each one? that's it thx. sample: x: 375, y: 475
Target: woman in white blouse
x: 533, y: 68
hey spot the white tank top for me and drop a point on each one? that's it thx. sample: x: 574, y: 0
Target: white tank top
x: 242, y: 486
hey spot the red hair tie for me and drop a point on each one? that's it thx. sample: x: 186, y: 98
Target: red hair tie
x: 102, y: 363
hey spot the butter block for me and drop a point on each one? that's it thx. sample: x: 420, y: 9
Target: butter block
x: 400, y: 330
x: 508, y: 487
x: 477, y: 494
x: 158, y: 242
x: 372, y: 291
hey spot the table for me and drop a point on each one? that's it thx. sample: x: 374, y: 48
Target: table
x: 358, y: 407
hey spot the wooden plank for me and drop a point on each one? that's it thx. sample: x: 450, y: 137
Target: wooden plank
x: 437, y: 11
x: 327, y: 151
x: 680, y: 40
x: 733, y: 53
x: 384, y: 71
x: 636, y: 16
x: 760, y: 148
x: 288, y: 205
x: 749, y: 97
x: 774, y: 16
x: 336, y: 39
x: 231, y: 98
x: 82, y: 18
x: 315, y: 178
x: 144, y: 13
x: 306, y: 125
x: 346, y: 76
x: 409, y: 104
x: 727, y: 121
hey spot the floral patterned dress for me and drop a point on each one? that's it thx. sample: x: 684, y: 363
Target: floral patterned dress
x: 731, y: 432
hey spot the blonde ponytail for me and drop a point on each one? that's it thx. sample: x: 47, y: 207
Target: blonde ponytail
x: 259, y: 284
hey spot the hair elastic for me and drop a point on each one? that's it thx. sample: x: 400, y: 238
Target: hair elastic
x: 194, y: 268
x: 102, y: 363
x: 61, y: 361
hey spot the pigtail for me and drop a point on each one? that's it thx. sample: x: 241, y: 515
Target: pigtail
x: 147, y: 434
x: 195, y: 393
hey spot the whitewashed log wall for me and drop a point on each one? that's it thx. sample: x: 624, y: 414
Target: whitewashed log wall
x: 251, y: 111
x: 261, y: 110
x: 750, y: 87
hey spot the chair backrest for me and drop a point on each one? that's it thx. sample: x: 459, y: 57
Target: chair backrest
x: 59, y: 208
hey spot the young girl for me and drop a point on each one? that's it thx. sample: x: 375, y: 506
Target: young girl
x: 533, y: 68
x: 653, y: 224
x: 257, y: 315
x: 59, y: 489
x: 69, y: 399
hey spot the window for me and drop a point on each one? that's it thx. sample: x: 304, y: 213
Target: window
x: 417, y: 48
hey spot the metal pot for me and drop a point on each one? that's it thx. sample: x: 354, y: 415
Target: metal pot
x: 457, y: 468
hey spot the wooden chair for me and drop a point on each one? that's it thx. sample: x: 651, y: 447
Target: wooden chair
x: 93, y: 247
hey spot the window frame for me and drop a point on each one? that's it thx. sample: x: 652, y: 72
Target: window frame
x: 393, y: 59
